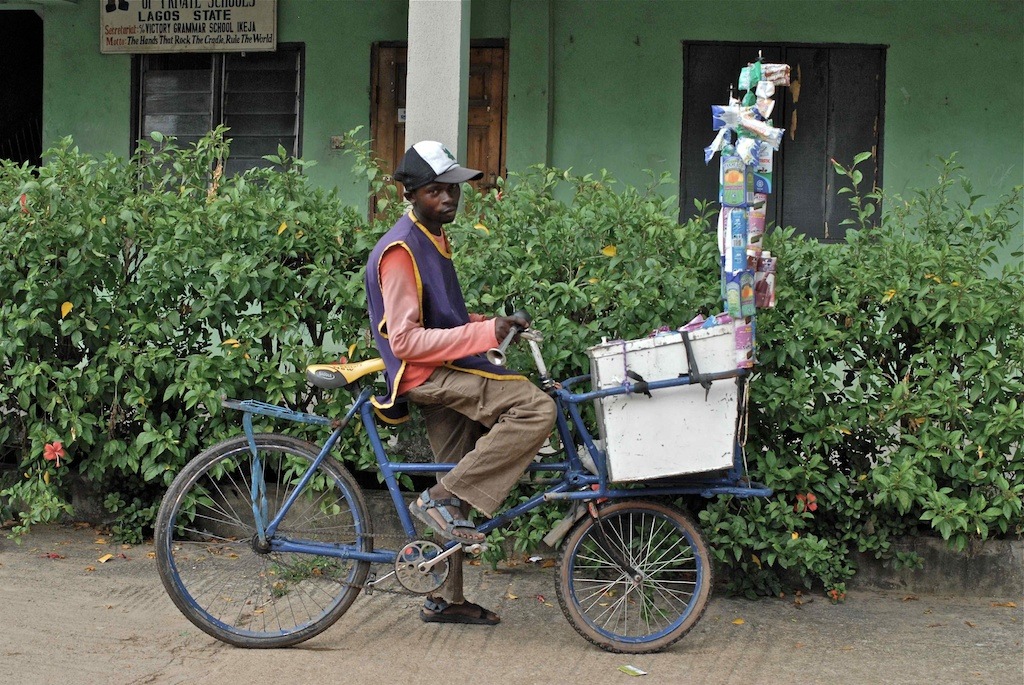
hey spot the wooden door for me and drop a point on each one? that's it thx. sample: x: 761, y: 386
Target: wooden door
x: 486, y: 126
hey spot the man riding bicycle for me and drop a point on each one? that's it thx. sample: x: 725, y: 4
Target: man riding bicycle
x: 487, y: 419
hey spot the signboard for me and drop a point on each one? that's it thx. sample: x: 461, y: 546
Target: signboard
x: 133, y: 26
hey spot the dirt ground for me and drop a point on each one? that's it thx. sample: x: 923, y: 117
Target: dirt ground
x: 67, y: 617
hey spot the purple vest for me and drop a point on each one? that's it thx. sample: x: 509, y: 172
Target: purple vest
x: 441, y: 304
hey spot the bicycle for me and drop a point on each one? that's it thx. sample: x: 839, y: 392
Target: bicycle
x: 265, y: 540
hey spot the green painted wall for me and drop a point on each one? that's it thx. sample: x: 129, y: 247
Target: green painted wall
x: 605, y: 91
x: 85, y: 94
x: 953, y: 78
x: 338, y: 75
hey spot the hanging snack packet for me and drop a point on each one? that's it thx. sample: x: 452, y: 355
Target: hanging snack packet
x: 744, y: 341
x: 749, y: 76
x: 736, y: 256
x: 748, y: 150
x: 717, y: 145
x: 732, y: 294
x: 763, y: 171
x: 732, y: 188
x: 778, y: 74
x: 764, y: 281
x: 747, y: 293
x: 725, y: 116
x: 761, y: 129
x: 756, y: 221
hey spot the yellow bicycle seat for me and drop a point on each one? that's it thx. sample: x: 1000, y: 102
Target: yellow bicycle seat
x: 338, y: 374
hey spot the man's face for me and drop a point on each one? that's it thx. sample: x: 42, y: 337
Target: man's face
x: 436, y: 203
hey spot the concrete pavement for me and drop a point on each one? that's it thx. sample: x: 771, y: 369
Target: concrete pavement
x: 68, y: 618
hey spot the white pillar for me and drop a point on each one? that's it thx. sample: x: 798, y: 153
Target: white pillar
x: 436, y: 95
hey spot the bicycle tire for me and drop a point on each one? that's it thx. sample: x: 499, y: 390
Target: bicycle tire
x: 605, y: 605
x: 212, y: 569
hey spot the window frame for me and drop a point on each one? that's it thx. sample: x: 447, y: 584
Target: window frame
x: 218, y: 61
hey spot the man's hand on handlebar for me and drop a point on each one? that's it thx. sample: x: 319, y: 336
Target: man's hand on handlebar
x: 503, y: 326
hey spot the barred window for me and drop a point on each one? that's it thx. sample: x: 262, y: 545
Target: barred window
x: 258, y: 95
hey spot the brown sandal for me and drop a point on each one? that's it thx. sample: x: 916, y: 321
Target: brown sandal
x: 440, y: 611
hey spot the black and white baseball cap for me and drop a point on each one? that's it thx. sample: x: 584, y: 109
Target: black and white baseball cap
x: 429, y: 161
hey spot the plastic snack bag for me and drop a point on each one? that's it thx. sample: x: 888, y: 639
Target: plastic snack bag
x: 778, y: 74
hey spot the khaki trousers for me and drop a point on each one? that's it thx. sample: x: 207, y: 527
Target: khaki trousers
x: 490, y: 428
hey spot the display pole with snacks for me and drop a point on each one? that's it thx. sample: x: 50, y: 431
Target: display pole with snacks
x: 747, y: 142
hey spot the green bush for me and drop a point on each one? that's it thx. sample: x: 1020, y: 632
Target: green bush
x: 887, y: 398
x: 135, y: 294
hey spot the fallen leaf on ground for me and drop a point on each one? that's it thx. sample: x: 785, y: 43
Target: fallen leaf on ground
x: 970, y: 625
x: 105, y: 558
x: 631, y: 670
x: 90, y: 569
x: 738, y: 622
x: 51, y: 555
x: 122, y: 556
x: 79, y: 525
x: 547, y: 563
x: 1012, y: 605
x: 799, y: 645
x: 151, y: 555
x: 540, y: 598
x: 511, y: 596
x: 100, y: 541
x: 910, y: 598
x: 936, y: 625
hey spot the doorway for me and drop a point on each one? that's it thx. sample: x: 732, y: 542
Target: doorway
x: 21, y: 73
x: 488, y: 79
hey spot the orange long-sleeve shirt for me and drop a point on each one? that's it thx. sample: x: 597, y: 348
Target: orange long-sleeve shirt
x: 424, y: 349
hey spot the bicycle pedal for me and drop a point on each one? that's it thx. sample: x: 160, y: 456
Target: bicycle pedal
x: 475, y: 548
x: 368, y: 585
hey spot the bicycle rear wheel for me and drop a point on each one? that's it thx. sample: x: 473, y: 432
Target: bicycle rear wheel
x: 217, y: 574
x: 646, y: 612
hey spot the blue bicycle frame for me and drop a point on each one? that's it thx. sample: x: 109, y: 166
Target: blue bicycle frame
x: 576, y: 482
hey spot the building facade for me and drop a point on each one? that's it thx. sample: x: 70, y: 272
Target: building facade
x: 622, y: 85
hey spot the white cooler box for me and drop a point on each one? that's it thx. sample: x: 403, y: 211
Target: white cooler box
x: 677, y: 430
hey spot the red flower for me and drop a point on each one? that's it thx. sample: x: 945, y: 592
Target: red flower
x: 53, y: 452
x: 24, y: 203
x: 806, y: 502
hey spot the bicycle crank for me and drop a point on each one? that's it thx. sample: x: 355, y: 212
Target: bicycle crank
x: 422, y: 566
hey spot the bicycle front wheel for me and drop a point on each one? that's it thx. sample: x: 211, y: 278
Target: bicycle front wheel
x: 635, y: 580
x: 223, y: 580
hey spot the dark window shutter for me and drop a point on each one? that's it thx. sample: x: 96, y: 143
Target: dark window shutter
x: 837, y: 112
x: 258, y: 95
x: 261, y: 106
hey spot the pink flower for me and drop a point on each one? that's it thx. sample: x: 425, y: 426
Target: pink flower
x: 53, y: 452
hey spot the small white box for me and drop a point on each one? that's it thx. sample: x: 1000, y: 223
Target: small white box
x: 677, y: 430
